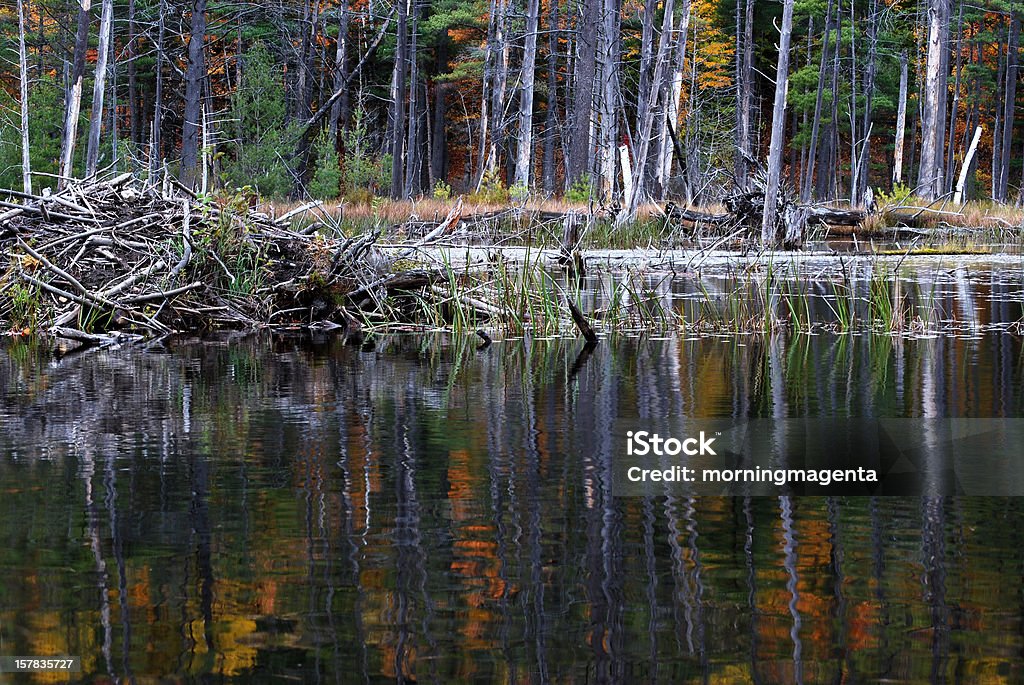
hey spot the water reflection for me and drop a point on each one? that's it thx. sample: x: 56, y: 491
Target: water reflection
x: 292, y: 508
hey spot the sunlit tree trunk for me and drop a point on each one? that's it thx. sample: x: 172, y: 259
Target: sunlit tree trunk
x: 955, y: 110
x: 412, y: 148
x: 499, y: 87
x: 158, y: 96
x: 134, y: 108
x: 901, y: 122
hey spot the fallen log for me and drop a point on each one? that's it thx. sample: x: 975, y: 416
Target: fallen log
x: 744, y: 210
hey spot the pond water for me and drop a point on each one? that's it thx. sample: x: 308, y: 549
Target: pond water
x: 265, y: 509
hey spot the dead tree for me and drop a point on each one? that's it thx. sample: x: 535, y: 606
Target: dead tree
x: 933, y: 101
x: 524, y: 150
x: 92, y: 151
x: 73, y: 102
x: 194, y: 75
x: 772, y: 233
x: 26, y: 165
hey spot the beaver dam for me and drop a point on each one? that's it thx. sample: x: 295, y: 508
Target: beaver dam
x: 118, y: 259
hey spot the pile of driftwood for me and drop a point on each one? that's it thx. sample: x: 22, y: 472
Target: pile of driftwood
x: 117, y: 254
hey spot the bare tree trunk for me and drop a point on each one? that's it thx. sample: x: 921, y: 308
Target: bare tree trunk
x: 671, y: 120
x: 339, y: 111
x: 1009, y: 105
x: 500, y: 87
x: 551, y: 115
x: 439, y: 148
x: 930, y: 173
x: 854, y: 164
x: 832, y: 174
x: 578, y: 163
x: 812, y: 154
x: 869, y: 93
x: 744, y: 85
x: 610, y: 97
x: 73, y: 104
x: 134, y: 110
x: 524, y: 145
x: 954, y: 113
x: 997, y: 129
x: 958, y: 196
x: 648, y: 104
x: 398, y: 128
x: 412, y: 148
x: 158, y: 97
x: 901, y: 122
x: 303, y: 87
x: 98, y: 88
x: 769, y: 233
x: 194, y: 75
x: 26, y: 164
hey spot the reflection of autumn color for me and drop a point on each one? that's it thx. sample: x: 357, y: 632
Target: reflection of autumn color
x: 361, y: 469
x: 474, y: 549
x: 47, y: 635
x: 388, y: 653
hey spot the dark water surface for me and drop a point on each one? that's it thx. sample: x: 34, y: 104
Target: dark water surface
x: 300, y: 510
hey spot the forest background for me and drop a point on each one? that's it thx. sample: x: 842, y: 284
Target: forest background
x: 614, y: 101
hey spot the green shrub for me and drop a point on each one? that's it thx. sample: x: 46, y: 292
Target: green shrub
x: 519, y: 193
x: 579, y: 192
x: 492, y: 189
x: 364, y: 173
x: 901, y: 193
x: 442, y: 191
x: 326, y: 183
x: 46, y: 106
x: 258, y: 108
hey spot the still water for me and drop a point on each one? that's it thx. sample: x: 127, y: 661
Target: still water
x: 298, y: 509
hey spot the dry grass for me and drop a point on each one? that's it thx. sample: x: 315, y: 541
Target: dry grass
x: 431, y: 209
